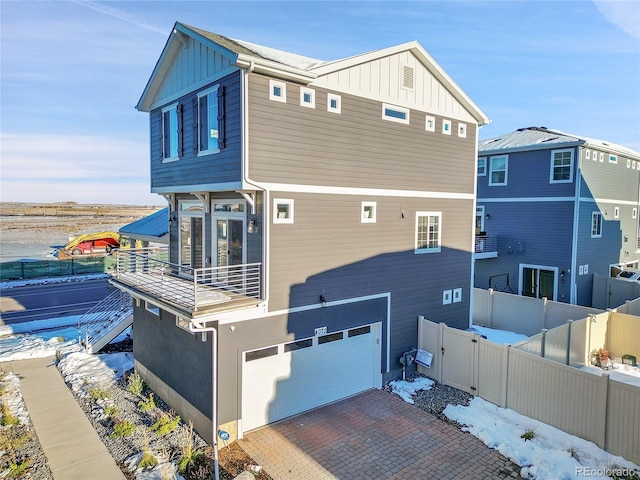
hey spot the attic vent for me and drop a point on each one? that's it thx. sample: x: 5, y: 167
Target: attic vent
x: 407, y: 77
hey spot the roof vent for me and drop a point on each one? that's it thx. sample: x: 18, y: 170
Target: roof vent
x: 407, y: 77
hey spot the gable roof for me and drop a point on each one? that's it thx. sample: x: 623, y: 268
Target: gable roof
x: 289, y: 66
x: 542, y: 138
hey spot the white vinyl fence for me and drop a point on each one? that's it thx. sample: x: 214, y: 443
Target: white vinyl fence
x: 593, y: 407
x: 610, y: 292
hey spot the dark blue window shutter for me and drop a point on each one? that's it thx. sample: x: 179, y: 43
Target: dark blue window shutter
x: 203, y: 124
x: 179, y: 109
x: 195, y: 125
x: 221, y: 122
x: 166, y: 134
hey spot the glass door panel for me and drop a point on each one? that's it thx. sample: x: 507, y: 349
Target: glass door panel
x: 546, y: 282
x: 529, y: 282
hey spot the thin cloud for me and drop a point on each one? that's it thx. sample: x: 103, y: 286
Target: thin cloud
x: 120, y: 14
x: 624, y: 14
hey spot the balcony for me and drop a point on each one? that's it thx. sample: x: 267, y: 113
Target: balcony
x: 486, y: 246
x: 146, y: 273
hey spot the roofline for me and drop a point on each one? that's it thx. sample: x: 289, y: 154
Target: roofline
x: 426, y: 59
x: 529, y: 148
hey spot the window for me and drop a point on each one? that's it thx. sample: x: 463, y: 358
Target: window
x: 307, y: 97
x: 446, y: 127
x: 395, y: 114
x: 462, y: 130
x: 428, y: 232
x: 170, y: 132
x: 587, y: 154
x: 596, y: 225
x: 446, y: 297
x: 150, y: 307
x: 482, y: 166
x: 601, y: 157
x: 209, y: 121
x: 457, y: 295
x: 430, y: 124
x: 616, y: 212
x: 368, y: 212
x: 282, y: 210
x: 332, y: 337
x: 262, y: 353
x: 561, y: 166
x: 498, y: 167
x: 613, y: 158
x: 634, y: 213
x: 299, y: 345
x: 333, y: 103
x: 355, y: 332
x: 277, y: 91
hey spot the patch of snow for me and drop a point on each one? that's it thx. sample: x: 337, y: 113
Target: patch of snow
x: 50, y: 323
x: 405, y: 389
x: 13, y: 397
x: 52, y: 280
x: 44, y: 344
x: 498, y: 336
x: 80, y: 369
x: 164, y: 469
x: 550, y: 454
x: 620, y: 372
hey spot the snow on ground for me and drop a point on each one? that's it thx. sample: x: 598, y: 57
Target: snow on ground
x: 51, y: 280
x: 550, y: 455
x: 81, y: 369
x: 405, y: 390
x: 11, y: 394
x: 620, y: 372
x: 498, y: 336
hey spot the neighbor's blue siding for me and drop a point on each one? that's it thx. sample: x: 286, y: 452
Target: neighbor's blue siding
x: 217, y: 168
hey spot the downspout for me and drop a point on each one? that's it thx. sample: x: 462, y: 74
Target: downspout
x: 573, y: 294
x: 473, y: 229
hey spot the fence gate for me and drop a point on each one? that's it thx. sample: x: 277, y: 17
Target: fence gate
x: 458, y: 360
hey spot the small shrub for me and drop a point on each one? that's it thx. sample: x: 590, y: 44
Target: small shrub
x: 60, y: 339
x: 165, y: 424
x: 122, y: 428
x: 19, y: 469
x: 529, y: 434
x: 574, y: 453
x: 135, y: 384
x: 98, y: 393
x: 110, y: 411
x: 148, y: 404
x: 6, y: 417
x: 147, y: 460
x: 189, y: 454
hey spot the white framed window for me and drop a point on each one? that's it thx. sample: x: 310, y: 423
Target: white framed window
x: 428, y: 232
x: 613, y: 158
x: 282, y: 210
x: 601, y: 157
x: 462, y: 130
x: 430, y: 123
x: 446, y: 297
x: 395, y: 113
x: 561, y: 170
x: 368, y: 212
x: 634, y: 212
x: 150, y: 307
x: 334, y: 103
x: 278, y: 91
x: 446, y: 127
x: 498, y: 170
x: 629, y: 164
x: 633, y: 165
x: 307, y: 97
x: 170, y: 133
x: 208, y: 127
x: 587, y: 154
x: 616, y: 212
x: 457, y: 295
x: 596, y: 225
x: 482, y: 166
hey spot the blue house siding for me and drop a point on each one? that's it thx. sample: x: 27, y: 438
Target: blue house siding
x: 532, y: 233
x: 191, y: 169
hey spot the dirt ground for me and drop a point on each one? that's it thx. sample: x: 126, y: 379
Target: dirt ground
x: 29, y: 230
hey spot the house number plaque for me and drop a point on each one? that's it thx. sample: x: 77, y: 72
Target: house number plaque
x: 320, y: 331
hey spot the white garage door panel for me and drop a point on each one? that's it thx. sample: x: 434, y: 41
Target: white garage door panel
x: 288, y: 383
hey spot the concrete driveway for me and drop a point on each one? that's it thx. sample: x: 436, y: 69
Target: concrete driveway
x: 374, y: 435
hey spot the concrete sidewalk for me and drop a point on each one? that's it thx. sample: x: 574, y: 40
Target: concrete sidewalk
x: 70, y: 443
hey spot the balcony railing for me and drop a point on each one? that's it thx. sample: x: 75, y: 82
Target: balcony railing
x: 148, y: 271
x: 486, y: 246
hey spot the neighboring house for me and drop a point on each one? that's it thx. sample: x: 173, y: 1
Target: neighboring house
x: 316, y: 209
x: 553, y: 209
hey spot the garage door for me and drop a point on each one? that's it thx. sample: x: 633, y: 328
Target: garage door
x: 290, y: 378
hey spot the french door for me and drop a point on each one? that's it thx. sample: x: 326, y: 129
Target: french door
x: 229, y: 242
x: 538, y: 281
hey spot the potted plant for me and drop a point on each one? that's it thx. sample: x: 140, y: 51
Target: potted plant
x: 601, y: 358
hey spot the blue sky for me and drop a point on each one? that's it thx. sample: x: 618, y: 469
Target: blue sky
x: 72, y: 72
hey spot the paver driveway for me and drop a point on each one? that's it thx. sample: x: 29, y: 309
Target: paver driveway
x: 374, y: 435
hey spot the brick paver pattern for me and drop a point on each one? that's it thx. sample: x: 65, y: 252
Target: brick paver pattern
x: 374, y: 435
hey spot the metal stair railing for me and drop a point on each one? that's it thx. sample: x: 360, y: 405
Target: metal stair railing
x: 103, y: 317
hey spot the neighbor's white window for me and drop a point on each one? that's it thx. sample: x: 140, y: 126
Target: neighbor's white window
x: 482, y: 166
x: 616, y: 212
x: 368, y: 212
x: 561, y: 166
x: 333, y: 103
x: 307, y: 97
x: 498, y: 168
x: 170, y: 132
x: 596, y: 225
x: 446, y: 127
x: 430, y: 123
x: 601, y: 157
x: 428, y: 232
x: 282, y: 210
x: 208, y: 132
x: 613, y: 158
x: 634, y: 213
x: 395, y: 113
x: 278, y: 91
x: 462, y: 130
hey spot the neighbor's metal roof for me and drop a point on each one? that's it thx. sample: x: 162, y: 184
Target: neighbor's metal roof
x: 154, y: 227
